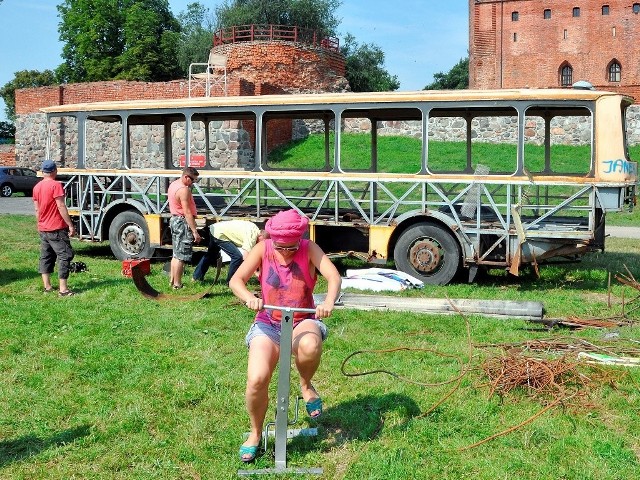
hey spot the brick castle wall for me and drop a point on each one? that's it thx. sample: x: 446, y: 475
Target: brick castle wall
x: 31, y: 100
x: 512, y: 45
x: 7, y: 155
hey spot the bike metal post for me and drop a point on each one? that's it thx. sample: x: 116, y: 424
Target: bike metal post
x: 282, y: 403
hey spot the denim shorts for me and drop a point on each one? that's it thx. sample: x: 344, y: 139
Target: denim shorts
x: 272, y: 330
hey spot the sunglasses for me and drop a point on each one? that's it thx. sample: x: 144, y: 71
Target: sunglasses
x: 292, y: 248
x: 194, y: 180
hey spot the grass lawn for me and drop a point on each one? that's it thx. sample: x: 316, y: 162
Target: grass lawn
x: 110, y: 385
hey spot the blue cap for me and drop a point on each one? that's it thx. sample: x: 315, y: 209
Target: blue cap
x: 49, y: 166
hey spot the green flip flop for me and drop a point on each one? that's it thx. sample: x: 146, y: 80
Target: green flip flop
x: 251, y: 450
x: 314, y: 405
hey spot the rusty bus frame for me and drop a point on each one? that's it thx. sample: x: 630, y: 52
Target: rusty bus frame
x: 434, y: 224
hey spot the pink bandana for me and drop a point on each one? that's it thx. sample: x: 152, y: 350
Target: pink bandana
x: 287, y: 226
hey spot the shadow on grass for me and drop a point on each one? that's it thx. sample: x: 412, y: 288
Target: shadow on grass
x: 14, y: 275
x: 363, y: 418
x: 590, y: 273
x: 30, y: 445
x: 93, y: 250
x: 103, y: 251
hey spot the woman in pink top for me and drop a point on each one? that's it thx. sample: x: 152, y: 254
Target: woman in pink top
x: 288, y: 272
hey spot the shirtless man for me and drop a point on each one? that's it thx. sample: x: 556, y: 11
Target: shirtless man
x: 183, y: 223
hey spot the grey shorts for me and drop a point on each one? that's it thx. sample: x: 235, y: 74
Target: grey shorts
x: 182, y: 238
x: 272, y: 330
x: 55, y: 245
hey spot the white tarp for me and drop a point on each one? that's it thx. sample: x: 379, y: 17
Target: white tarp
x: 379, y: 279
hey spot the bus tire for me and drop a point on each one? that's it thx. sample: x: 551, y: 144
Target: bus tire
x: 429, y: 253
x: 129, y: 236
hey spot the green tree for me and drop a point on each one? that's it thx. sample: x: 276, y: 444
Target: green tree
x: 24, y: 79
x: 118, y: 39
x: 7, y: 130
x: 456, y: 79
x: 151, y: 37
x: 196, y: 34
x: 365, y: 67
x: 318, y: 15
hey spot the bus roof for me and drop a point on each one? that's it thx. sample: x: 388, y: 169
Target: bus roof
x: 341, y: 98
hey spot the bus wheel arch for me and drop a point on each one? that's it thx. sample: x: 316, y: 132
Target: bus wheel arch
x: 129, y: 235
x: 428, y: 250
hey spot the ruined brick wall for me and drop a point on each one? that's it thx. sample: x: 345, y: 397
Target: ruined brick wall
x: 512, y: 45
x: 31, y: 100
x: 291, y: 67
x: 253, y: 68
x: 7, y: 156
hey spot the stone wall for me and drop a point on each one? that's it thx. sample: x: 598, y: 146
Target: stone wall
x: 565, y: 130
x: 232, y: 142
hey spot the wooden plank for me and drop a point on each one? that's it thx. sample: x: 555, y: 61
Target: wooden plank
x: 525, y: 310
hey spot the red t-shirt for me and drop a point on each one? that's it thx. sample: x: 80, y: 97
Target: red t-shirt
x: 45, y: 193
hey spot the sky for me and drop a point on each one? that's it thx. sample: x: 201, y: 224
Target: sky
x: 418, y: 37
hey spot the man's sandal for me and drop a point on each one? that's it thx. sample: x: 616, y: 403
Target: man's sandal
x: 248, y: 453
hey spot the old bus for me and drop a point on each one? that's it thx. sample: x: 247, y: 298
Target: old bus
x: 441, y: 183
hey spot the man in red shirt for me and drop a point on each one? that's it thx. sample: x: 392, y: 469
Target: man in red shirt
x: 55, y: 227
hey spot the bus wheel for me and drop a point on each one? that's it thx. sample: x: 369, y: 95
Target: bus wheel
x: 129, y: 236
x: 428, y: 252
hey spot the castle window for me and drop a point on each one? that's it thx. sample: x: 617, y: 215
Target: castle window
x: 605, y: 9
x: 576, y: 11
x: 566, y: 75
x: 514, y: 16
x: 636, y: 8
x: 515, y: 37
x: 615, y: 71
x: 565, y: 34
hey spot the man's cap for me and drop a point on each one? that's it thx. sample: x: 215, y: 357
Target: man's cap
x: 49, y: 166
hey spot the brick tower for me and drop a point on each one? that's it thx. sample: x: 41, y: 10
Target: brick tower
x: 536, y: 43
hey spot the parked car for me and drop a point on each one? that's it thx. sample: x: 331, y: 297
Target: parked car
x: 15, y: 179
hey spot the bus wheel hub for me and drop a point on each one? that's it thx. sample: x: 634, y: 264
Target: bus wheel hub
x: 424, y: 256
x: 133, y: 238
